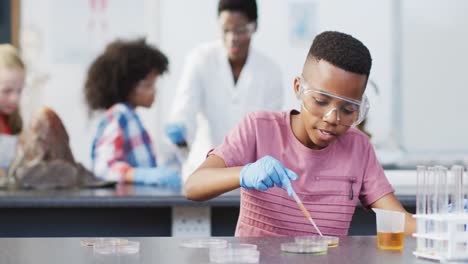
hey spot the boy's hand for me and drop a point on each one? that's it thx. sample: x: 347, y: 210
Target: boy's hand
x: 265, y: 173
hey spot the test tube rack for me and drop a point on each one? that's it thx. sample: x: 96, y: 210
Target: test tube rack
x: 441, y: 218
x: 450, y: 243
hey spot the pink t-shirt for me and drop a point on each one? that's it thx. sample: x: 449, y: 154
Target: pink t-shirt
x: 330, y: 180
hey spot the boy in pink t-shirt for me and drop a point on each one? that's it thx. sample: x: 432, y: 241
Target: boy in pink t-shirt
x: 315, y: 152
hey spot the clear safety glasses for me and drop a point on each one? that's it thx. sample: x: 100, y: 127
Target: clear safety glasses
x: 240, y: 31
x: 323, y: 104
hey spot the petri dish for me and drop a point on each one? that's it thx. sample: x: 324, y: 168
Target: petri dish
x: 242, y: 246
x: 89, y: 242
x: 204, y: 243
x: 316, y: 248
x: 235, y: 253
x: 131, y: 247
x: 332, y: 241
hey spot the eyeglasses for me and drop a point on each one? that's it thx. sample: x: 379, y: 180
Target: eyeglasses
x: 240, y: 31
x: 344, y: 111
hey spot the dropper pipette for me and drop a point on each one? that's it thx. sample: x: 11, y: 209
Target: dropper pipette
x: 305, y: 212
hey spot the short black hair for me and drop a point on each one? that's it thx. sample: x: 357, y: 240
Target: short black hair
x: 342, y: 50
x: 115, y: 73
x: 247, y: 7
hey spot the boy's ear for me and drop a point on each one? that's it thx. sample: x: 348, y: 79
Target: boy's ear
x: 297, y: 88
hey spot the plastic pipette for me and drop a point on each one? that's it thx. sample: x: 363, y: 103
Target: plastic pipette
x: 305, y: 212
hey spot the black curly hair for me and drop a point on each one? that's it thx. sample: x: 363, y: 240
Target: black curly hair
x: 342, y: 50
x: 247, y: 7
x: 115, y: 73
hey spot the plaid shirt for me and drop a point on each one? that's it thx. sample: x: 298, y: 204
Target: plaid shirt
x: 121, y: 143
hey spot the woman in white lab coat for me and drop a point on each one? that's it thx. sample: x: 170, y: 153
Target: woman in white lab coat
x: 221, y: 82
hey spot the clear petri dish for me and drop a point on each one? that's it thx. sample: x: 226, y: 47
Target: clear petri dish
x: 332, y: 241
x: 235, y: 253
x: 131, y: 247
x: 204, y: 243
x: 316, y: 248
x: 89, y: 242
x: 242, y: 246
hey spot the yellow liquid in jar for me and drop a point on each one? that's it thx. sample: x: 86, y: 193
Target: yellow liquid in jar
x: 390, y: 241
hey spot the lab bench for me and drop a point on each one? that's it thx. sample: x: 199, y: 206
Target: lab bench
x: 131, y: 210
x: 354, y: 249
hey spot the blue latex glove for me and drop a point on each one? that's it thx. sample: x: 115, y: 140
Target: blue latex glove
x: 175, y: 132
x: 265, y: 173
x: 161, y: 175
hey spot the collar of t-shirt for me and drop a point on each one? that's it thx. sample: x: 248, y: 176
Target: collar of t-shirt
x: 5, y: 129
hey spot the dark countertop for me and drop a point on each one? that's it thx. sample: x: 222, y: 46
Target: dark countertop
x: 121, y: 196
x: 167, y: 250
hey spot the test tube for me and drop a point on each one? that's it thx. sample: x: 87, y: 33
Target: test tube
x: 455, y: 189
x: 442, y: 207
x: 421, y: 206
x: 441, y: 189
x: 465, y: 197
x: 430, y: 191
x: 421, y: 190
x: 430, y: 208
x: 465, y: 191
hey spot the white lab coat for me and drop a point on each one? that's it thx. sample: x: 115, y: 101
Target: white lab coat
x: 209, y: 103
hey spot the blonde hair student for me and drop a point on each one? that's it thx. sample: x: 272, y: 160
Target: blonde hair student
x: 12, y: 78
x: 316, y: 152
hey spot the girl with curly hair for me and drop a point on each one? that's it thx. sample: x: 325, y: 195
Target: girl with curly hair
x: 121, y: 79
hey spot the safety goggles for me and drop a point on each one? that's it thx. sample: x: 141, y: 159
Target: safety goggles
x: 326, y: 105
x: 240, y: 31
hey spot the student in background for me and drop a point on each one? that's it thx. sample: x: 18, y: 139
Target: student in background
x: 118, y: 81
x: 221, y: 82
x: 317, y: 152
x: 12, y: 77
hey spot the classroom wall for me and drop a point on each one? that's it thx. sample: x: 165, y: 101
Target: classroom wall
x: 60, y: 51
x: 434, y: 79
